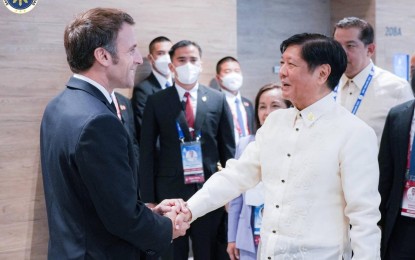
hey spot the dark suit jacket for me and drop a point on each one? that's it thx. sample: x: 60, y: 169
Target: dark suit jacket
x: 90, y: 181
x: 141, y: 92
x: 128, y: 120
x: 250, y: 114
x: 165, y: 178
x: 392, y: 162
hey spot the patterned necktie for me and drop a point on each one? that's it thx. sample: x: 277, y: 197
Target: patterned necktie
x: 242, y: 131
x: 189, y: 111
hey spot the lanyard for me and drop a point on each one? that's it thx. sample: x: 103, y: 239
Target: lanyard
x: 411, y: 159
x: 362, y: 92
x: 181, y: 134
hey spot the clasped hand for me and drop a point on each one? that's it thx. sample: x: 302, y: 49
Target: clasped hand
x: 176, y: 210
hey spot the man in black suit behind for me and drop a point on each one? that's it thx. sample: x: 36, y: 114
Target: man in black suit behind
x: 165, y: 119
x: 396, y: 183
x: 230, y: 79
x: 159, y: 78
x: 88, y: 161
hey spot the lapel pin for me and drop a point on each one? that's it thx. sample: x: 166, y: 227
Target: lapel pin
x: 246, y: 104
x: 204, y: 98
x: 122, y: 107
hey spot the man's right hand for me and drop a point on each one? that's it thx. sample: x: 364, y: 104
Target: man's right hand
x: 232, y: 251
x: 179, y: 228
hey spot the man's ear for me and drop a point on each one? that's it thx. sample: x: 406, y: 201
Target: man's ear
x: 324, y: 73
x: 102, y: 56
x: 171, y: 67
x: 371, y: 49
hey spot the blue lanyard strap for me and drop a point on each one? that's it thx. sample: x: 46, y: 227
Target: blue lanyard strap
x: 180, y: 131
x: 362, y: 92
x: 181, y: 134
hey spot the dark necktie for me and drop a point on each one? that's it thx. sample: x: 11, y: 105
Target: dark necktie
x: 242, y: 131
x: 189, y: 111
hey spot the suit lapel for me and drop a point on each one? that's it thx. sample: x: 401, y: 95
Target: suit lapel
x: 154, y: 82
x: 201, y: 110
x: 402, y: 133
x: 249, y: 114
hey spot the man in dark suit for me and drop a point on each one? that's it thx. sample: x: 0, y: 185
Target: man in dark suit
x: 230, y: 79
x: 87, y: 156
x: 159, y: 79
x: 396, y: 184
x: 207, y: 122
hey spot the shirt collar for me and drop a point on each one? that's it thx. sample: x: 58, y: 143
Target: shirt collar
x: 231, y: 97
x: 95, y: 84
x: 360, y: 79
x: 181, y: 91
x: 162, y: 79
x: 313, y: 112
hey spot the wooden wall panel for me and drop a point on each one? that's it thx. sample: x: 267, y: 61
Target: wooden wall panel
x: 33, y: 69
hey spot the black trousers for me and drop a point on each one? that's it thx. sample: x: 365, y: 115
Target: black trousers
x: 402, y: 241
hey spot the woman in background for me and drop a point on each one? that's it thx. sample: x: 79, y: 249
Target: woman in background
x: 245, y: 212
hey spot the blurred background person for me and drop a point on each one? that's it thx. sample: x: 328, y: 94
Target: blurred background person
x: 243, y: 224
x: 366, y: 90
x: 159, y: 78
x: 230, y: 79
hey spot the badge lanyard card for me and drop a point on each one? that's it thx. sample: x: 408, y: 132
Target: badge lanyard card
x: 258, y: 211
x: 191, y: 158
x: 408, y: 200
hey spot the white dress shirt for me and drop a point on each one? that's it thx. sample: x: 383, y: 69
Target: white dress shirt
x: 385, y: 91
x: 230, y: 98
x: 320, y: 172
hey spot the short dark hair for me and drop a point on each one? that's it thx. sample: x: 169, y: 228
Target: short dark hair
x: 366, y: 35
x: 157, y: 40
x: 261, y: 91
x: 184, y: 43
x: 223, y: 60
x: 92, y: 29
x: 316, y: 50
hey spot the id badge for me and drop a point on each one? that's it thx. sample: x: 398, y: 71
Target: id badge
x: 258, y: 211
x: 192, y: 162
x: 408, y: 200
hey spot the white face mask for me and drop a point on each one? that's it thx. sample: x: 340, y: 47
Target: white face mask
x: 162, y: 64
x: 232, y: 81
x: 188, y: 73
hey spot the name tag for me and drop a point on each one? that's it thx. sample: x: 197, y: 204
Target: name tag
x: 408, y: 200
x: 192, y: 162
x: 258, y: 211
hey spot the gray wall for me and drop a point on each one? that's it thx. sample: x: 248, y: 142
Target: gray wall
x: 263, y: 25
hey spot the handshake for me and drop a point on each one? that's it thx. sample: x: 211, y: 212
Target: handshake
x: 176, y: 210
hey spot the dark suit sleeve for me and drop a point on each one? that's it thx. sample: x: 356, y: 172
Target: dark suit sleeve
x: 105, y: 169
x: 148, y: 140
x: 226, y: 139
x: 386, y: 167
x: 138, y: 102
